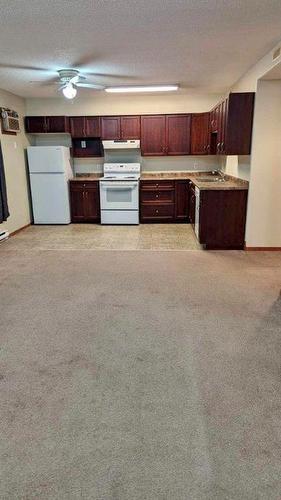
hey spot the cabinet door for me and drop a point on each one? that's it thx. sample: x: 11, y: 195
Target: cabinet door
x: 35, y: 124
x: 91, y: 200
x: 92, y: 126
x: 110, y: 127
x: 77, y: 202
x: 223, y: 124
x: 130, y: 127
x: 200, y: 136
x: 153, y: 135
x: 182, y: 200
x: 213, y: 122
x: 178, y: 134
x: 77, y: 126
x: 57, y: 124
x: 192, y: 204
x: 220, y: 127
x: 239, y: 123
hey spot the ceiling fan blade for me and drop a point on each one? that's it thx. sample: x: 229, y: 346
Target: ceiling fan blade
x: 42, y: 83
x: 21, y: 66
x: 90, y: 86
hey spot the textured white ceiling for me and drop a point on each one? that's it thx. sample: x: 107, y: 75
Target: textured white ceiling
x: 204, y: 45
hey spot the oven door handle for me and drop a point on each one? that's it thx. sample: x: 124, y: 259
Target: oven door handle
x: 118, y: 187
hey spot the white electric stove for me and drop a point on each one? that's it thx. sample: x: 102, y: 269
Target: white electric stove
x: 119, y: 193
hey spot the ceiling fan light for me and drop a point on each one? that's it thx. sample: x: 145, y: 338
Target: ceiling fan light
x: 69, y: 91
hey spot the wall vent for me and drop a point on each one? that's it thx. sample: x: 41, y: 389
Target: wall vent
x: 276, y: 53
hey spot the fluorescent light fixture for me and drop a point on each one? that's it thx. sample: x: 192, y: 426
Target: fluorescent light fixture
x: 143, y: 88
x: 69, y: 91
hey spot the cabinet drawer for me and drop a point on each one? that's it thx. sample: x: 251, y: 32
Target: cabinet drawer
x: 82, y: 185
x: 149, y: 196
x: 159, y: 185
x: 157, y: 212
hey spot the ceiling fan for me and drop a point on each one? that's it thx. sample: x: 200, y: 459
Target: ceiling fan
x: 70, y: 80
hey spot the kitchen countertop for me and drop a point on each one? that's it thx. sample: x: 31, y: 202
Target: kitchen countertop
x: 230, y: 183
x: 86, y: 177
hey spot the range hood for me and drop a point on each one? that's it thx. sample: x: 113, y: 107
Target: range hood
x: 121, y: 144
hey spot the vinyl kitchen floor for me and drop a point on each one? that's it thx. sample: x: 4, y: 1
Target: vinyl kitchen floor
x: 97, y: 237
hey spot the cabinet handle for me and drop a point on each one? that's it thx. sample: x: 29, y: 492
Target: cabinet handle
x: 157, y: 185
x: 157, y: 195
x: 83, y: 194
x: 222, y: 146
x: 156, y: 211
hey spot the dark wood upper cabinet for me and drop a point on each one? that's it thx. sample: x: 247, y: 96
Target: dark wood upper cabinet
x: 110, y: 128
x: 153, y: 135
x: 77, y: 126
x: 92, y: 126
x: 200, y: 134
x: 231, y: 124
x: 120, y: 127
x: 85, y: 126
x: 35, y: 124
x: 239, y: 123
x: 130, y: 127
x: 178, y: 134
x: 46, y: 124
x: 57, y: 124
x: 226, y: 129
x: 163, y: 135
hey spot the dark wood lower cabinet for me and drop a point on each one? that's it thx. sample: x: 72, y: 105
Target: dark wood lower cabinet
x: 157, y: 201
x: 191, y: 205
x: 84, y: 201
x: 164, y: 201
x: 222, y: 219
x: 182, y: 200
x: 222, y: 212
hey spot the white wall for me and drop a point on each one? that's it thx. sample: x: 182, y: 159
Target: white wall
x: 263, y: 167
x: 264, y: 207
x: 15, y: 168
x: 240, y: 166
x: 106, y: 104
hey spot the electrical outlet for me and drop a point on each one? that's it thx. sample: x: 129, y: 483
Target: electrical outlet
x: 15, y: 145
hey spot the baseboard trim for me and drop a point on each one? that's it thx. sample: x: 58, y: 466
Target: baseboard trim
x: 20, y: 229
x: 262, y: 249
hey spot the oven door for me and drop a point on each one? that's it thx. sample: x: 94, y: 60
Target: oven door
x: 119, y: 195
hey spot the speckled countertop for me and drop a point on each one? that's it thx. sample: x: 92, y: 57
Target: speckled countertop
x: 230, y: 182
x: 87, y: 177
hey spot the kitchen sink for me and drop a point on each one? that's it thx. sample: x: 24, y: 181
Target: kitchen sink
x: 210, y: 179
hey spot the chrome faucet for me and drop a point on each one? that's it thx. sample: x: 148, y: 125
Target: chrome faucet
x: 219, y: 173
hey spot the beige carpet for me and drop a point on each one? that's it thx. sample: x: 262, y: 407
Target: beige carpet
x: 140, y: 375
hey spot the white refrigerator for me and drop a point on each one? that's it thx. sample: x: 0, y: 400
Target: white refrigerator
x: 49, y: 171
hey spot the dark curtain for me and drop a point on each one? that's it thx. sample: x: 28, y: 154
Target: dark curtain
x: 4, y: 211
